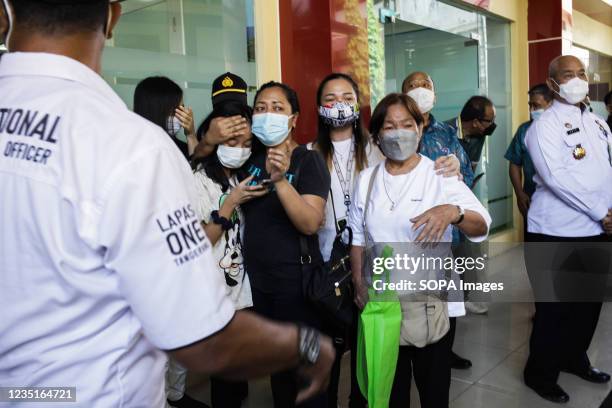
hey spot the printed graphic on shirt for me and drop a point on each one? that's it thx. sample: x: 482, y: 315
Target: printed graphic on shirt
x: 183, y: 233
x: 257, y: 173
x: 33, y: 126
x: 232, y: 262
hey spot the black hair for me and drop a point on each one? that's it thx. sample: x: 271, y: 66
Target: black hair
x: 380, y: 112
x: 324, y: 143
x: 58, y: 18
x: 211, y: 164
x: 475, y: 108
x: 541, y: 89
x: 156, y: 98
x: 608, y: 98
x: 290, y: 94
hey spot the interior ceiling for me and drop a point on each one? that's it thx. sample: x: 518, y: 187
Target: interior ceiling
x: 600, y: 10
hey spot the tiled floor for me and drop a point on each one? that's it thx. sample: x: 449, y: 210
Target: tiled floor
x: 497, y: 344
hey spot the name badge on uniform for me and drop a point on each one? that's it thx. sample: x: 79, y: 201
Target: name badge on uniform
x: 571, y: 132
x: 579, y: 152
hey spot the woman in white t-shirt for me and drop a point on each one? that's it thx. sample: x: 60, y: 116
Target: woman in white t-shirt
x: 347, y: 148
x: 410, y: 202
x: 219, y: 198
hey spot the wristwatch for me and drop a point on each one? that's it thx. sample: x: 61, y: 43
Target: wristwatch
x: 461, y: 215
x: 309, y: 346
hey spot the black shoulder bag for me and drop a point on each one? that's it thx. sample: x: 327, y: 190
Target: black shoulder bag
x: 329, y: 286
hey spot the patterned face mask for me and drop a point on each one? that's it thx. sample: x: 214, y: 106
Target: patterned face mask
x: 173, y: 125
x: 339, y: 114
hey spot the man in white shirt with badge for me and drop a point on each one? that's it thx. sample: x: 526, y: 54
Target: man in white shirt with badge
x: 571, y: 221
x: 103, y: 261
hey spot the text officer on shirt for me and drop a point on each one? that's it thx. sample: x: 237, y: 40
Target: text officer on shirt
x: 569, y: 256
x: 103, y: 261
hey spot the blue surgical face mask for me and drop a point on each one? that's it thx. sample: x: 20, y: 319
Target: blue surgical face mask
x: 535, y: 115
x: 270, y: 128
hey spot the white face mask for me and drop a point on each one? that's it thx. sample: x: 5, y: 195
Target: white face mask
x: 399, y: 144
x: 233, y: 157
x: 173, y: 125
x: 573, y: 91
x: 535, y: 115
x: 424, y: 98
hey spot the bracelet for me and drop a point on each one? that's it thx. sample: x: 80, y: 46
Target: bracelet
x: 226, y: 224
x: 309, y: 346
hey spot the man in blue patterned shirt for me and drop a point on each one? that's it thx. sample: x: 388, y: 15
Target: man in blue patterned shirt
x: 521, y: 166
x: 439, y: 139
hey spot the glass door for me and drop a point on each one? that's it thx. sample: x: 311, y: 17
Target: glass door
x: 452, y: 62
x: 466, y: 53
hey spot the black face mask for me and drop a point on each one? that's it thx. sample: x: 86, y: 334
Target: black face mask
x: 489, y: 131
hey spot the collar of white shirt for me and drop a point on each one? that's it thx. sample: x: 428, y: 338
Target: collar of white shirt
x: 58, y: 66
x: 566, y: 108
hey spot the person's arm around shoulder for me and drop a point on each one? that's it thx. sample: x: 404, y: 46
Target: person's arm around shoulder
x: 464, y: 160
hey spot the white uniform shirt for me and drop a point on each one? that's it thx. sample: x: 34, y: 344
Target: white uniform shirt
x: 103, y: 261
x: 572, y: 195
x: 228, y: 250
x: 415, y: 192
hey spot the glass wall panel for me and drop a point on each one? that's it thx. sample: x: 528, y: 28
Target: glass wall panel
x: 466, y: 53
x: 189, y: 41
x: 599, y: 71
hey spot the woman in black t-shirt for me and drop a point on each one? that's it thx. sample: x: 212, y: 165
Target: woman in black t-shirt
x: 299, y: 182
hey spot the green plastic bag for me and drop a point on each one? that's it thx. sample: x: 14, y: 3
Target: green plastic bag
x: 378, y: 343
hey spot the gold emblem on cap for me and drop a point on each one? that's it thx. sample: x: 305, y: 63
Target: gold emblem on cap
x: 579, y: 152
x: 227, y: 82
x: 568, y: 125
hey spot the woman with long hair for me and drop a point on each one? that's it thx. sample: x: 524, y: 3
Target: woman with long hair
x: 160, y: 100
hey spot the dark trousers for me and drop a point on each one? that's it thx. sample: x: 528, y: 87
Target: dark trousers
x: 356, y: 398
x: 288, y: 306
x: 563, y: 330
x: 343, y: 342
x: 432, y: 372
x: 227, y: 394
x: 452, y: 330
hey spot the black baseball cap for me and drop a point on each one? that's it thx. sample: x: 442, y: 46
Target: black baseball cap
x: 229, y: 87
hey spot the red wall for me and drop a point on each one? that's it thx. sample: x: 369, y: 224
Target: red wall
x: 545, y: 23
x: 319, y: 37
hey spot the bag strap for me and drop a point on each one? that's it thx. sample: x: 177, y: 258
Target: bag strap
x: 331, y: 194
x: 367, y: 202
x: 305, y: 257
